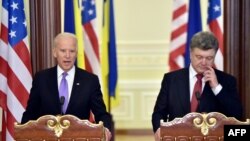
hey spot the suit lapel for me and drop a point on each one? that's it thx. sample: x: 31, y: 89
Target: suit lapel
x: 53, y: 86
x: 184, y: 91
x: 75, y: 88
x: 207, y: 89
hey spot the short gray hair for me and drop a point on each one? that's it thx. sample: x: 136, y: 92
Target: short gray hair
x: 204, y: 40
x: 64, y: 35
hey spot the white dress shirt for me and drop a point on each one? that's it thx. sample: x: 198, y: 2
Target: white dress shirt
x: 69, y: 78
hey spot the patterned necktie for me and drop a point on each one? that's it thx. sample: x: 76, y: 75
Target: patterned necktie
x: 63, y: 91
x: 196, y: 93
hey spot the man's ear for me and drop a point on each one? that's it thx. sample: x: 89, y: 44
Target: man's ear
x: 54, y: 52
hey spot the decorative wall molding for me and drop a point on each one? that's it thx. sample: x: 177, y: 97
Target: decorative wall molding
x: 136, y: 105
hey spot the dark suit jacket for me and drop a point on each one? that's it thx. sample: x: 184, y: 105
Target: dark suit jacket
x: 174, y: 97
x: 86, y: 96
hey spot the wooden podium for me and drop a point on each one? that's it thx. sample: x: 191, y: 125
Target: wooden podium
x: 198, y: 126
x: 59, y: 128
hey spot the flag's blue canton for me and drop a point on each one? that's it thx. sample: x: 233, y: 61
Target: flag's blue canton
x: 214, y: 10
x: 16, y: 22
x: 5, y: 4
x: 88, y: 10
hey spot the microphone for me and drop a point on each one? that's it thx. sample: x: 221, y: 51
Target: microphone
x: 198, y: 97
x: 62, y: 100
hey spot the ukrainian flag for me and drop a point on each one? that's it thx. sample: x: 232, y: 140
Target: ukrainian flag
x: 72, y: 24
x: 108, y: 57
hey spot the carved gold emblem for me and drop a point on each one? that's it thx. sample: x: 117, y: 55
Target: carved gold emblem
x: 57, y: 125
x: 204, y: 123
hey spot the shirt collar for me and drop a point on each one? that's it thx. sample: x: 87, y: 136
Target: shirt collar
x: 60, y: 71
x: 192, y: 72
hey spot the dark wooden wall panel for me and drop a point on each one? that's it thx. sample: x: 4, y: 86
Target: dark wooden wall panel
x: 245, y: 57
x: 237, y: 44
x: 45, y: 24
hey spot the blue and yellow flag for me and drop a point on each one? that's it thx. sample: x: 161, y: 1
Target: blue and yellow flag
x: 108, y: 56
x: 73, y: 24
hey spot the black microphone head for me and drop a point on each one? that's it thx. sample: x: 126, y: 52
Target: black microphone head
x: 62, y: 99
x: 197, y: 95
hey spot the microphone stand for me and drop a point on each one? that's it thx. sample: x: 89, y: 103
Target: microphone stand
x: 62, y: 100
x: 198, y: 97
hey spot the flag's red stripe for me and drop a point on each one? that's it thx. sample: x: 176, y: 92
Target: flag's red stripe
x: 180, y: 11
x: 10, y: 122
x: 3, y: 100
x: 23, y: 53
x: 93, y: 39
x: 14, y: 83
x: 3, y: 127
x: 173, y: 66
x: 215, y: 28
x: 4, y: 34
x: 87, y: 64
x: 179, y: 51
x: 174, y: 54
x: 182, y: 29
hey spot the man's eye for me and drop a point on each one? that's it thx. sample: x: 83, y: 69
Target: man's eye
x: 199, y: 57
x: 209, y: 58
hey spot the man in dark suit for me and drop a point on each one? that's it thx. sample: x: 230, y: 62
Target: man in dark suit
x: 83, y: 88
x: 218, y: 92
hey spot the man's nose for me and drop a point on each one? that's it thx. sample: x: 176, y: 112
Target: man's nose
x: 67, y: 54
x: 204, y: 61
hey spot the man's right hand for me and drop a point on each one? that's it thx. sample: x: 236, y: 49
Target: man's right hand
x: 157, y: 135
x: 108, y: 134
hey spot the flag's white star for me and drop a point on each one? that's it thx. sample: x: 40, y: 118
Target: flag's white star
x: 92, y: 2
x: 90, y: 12
x: 82, y: 8
x: 14, y: 5
x: 25, y: 23
x: 13, y: 20
x: 12, y: 33
x: 216, y: 8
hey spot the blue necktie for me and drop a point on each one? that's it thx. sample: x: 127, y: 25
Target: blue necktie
x: 63, y: 91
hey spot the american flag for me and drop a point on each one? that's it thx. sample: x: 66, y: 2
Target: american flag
x: 91, y: 46
x: 215, y: 25
x: 186, y: 23
x: 92, y: 57
x: 15, y: 66
x: 178, y: 35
